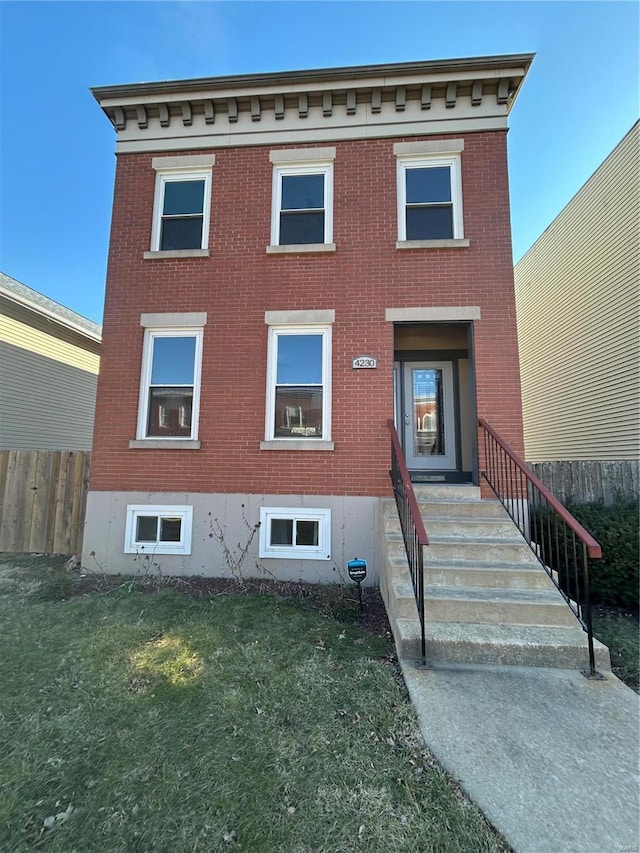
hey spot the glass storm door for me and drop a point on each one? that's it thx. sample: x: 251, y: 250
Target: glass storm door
x: 428, y: 416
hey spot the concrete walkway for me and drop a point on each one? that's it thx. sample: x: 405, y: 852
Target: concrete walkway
x: 549, y: 756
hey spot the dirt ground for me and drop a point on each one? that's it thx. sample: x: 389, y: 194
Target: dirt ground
x: 60, y: 577
x: 341, y: 600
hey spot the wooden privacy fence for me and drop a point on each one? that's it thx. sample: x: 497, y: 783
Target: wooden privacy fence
x: 591, y: 482
x: 42, y: 500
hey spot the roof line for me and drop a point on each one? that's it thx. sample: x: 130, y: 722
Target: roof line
x: 90, y: 330
x: 314, y: 75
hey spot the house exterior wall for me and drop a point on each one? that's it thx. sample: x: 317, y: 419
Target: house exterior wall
x: 226, y: 521
x: 363, y: 281
x: 239, y: 282
x: 48, y: 383
x: 578, y: 303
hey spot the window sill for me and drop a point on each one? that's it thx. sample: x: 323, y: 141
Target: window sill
x: 296, y: 444
x: 175, y: 253
x: 433, y: 244
x: 301, y: 249
x: 164, y: 444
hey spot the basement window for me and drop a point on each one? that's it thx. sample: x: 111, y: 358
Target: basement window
x: 158, y: 529
x: 303, y: 534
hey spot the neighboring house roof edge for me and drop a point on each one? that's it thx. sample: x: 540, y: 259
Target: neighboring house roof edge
x: 633, y: 129
x: 19, y: 293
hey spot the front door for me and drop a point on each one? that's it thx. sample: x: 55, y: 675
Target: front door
x: 428, y: 415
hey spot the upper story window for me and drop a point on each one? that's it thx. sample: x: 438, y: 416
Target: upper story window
x: 302, y: 205
x: 182, y: 203
x: 430, y: 199
x: 429, y: 191
x: 181, y: 224
x: 170, y: 379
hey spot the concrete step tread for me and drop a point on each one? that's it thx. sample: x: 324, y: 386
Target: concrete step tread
x: 497, y: 634
x: 516, y: 539
x: 453, y: 492
x: 480, y: 566
x: 495, y: 595
x: 466, y: 520
x: 400, y: 562
x: 458, y: 510
x: 469, y: 519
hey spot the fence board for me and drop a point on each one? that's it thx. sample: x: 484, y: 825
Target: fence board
x: 76, y: 515
x: 61, y: 491
x: 38, y: 526
x: 43, y: 500
x: 13, y: 502
x: 591, y: 482
x: 29, y: 487
x: 4, y: 464
x: 51, y: 504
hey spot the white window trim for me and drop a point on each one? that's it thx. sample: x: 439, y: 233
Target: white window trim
x: 412, y: 162
x: 164, y: 176
x: 310, y: 168
x: 185, y: 513
x: 150, y: 336
x: 321, y: 551
x: 272, y: 366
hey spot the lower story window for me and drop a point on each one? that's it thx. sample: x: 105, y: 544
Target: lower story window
x: 303, y: 534
x: 158, y: 529
x: 298, y: 393
x: 170, y: 384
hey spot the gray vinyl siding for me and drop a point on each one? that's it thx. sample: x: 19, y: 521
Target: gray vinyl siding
x: 577, y: 301
x: 48, y: 377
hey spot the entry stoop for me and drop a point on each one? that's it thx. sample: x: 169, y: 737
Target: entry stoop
x: 487, y: 598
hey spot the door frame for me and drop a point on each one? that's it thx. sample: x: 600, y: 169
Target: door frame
x: 450, y: 475
x: 449, y: 460
x: 467, y: 430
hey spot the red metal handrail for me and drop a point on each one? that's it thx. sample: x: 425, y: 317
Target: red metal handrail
x: 593, y: 548
x: 412, y: 526
x: 421, y: 532
x: 560, y: 543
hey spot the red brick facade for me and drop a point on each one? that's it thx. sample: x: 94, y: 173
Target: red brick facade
x: 239, y: 282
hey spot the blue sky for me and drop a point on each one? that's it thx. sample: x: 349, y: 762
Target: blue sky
x: 57, y: 148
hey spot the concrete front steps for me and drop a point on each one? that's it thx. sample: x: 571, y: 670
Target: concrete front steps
x: 487, y: 598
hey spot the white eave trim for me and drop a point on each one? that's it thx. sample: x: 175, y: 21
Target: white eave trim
x: 49, y: 315
x: 184, y: 91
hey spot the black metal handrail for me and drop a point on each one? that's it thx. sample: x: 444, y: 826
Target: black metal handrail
x: 559, y: 542
x: 413, y: 530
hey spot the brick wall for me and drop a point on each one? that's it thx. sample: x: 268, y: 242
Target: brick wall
x: 239, y: 281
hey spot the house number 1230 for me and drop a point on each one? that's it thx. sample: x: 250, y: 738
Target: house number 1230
x: 364, y: 361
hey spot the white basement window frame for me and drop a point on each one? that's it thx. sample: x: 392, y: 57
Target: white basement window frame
x: 158, y: 529
x: 177, y: 410
x: 443, y: 197
x: 287, y: 196
x: 293, y: 421
x: 295, y: 533
x: 182, y: 201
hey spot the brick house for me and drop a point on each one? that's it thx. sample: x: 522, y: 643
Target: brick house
x: 295, y: 258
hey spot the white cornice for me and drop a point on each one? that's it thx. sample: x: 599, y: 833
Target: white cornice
x: 312, y: 106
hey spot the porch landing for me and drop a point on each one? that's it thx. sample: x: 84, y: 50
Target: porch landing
x: 488, y: 600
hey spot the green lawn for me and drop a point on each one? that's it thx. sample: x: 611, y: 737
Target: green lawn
x: 162, y: 722
x: 619, y: 631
